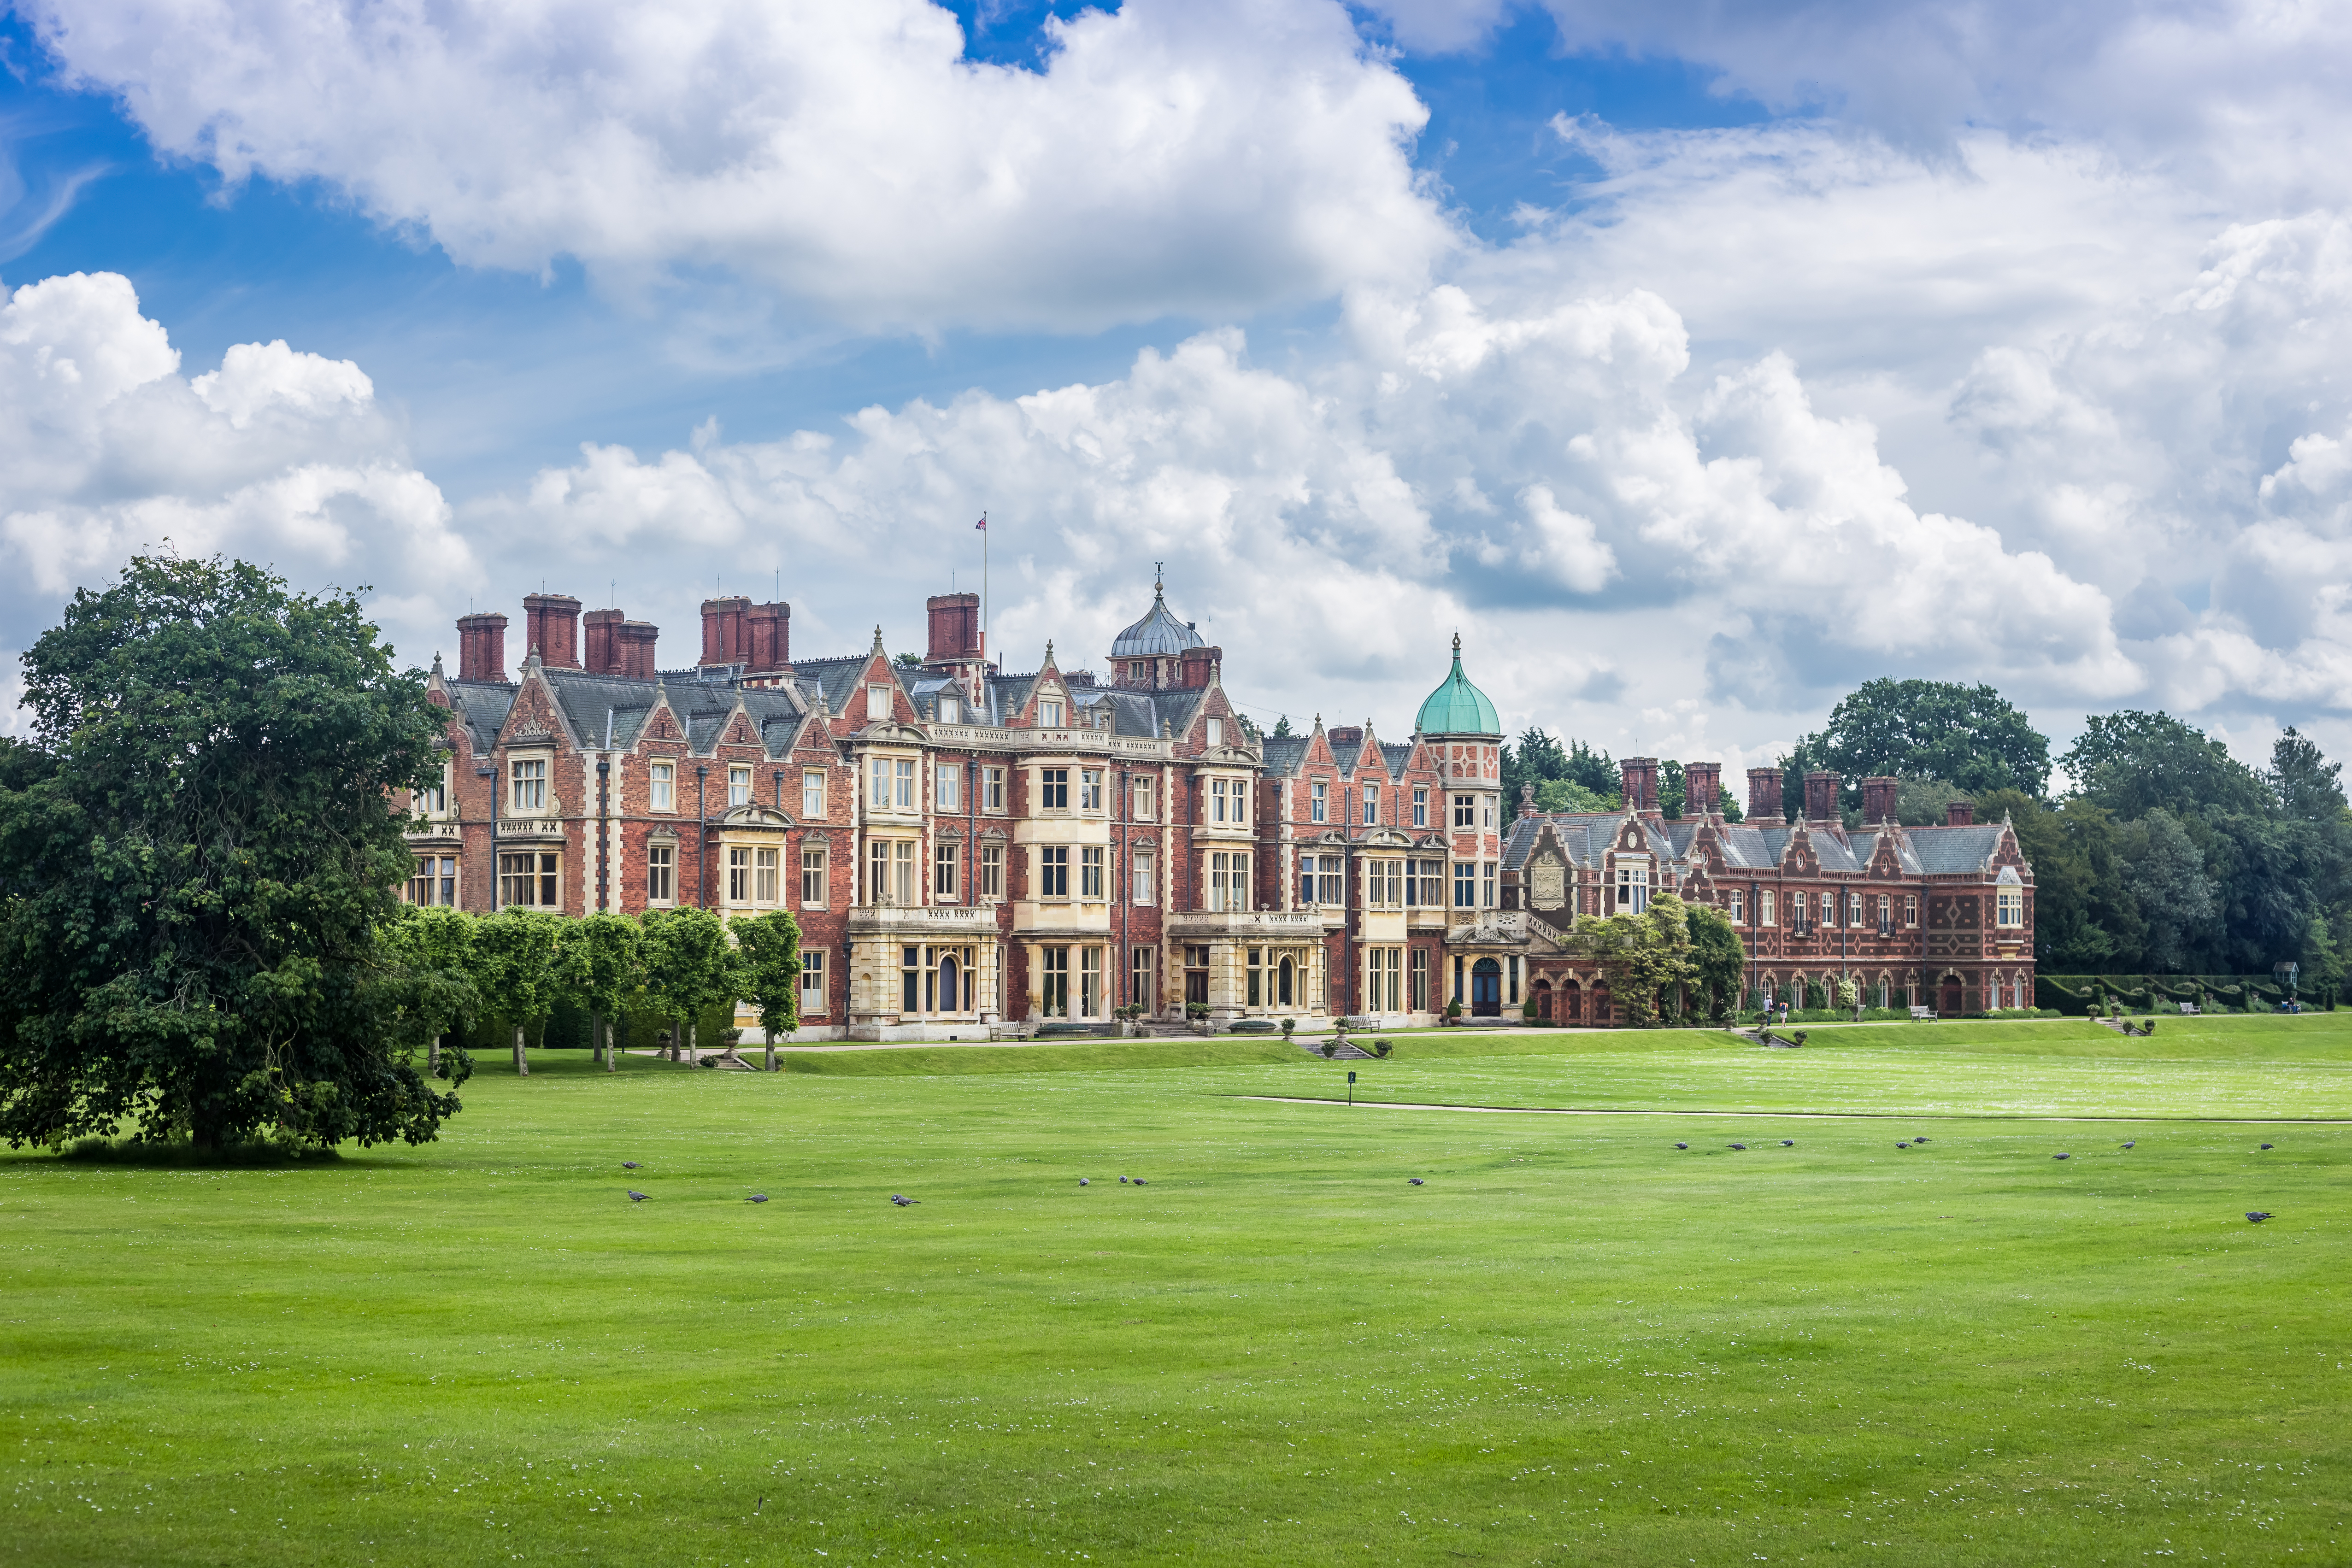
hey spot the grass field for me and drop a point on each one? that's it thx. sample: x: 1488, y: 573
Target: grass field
x: 1575, y: 1344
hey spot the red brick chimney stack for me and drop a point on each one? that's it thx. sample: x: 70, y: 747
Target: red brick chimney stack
x: 1764, y: 795
x: 1878, y: 800
x: 1702, y: 789
x: 482, y: 646
x: 726, y: 630
x: 636, y: 639
x: 1640, y: 775
x: 955, y: 627
x: 1961, y: 814
x: 554, y: 623
x: 769, y: 649
x: 1821, y: 797
x: 600, y: 642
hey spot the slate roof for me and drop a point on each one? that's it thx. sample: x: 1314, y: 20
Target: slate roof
x: 1945, y: 851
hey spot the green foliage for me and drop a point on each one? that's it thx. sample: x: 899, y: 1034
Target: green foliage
x: 1643, y: 954
x: 768, y: 958
x: 514, y: 958
x: 2134, y: 762
x: 1281, y: 730
x: 687, y: 963
x: 1717, y: 958
x: 1540, y: 759
x: 1971, y: 736
x: 2306, y: 785
x: 1920, y: 802
x: 199, y: 857
x: 598, y: 962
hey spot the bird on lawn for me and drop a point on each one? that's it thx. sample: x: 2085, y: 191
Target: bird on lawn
x: 631, y: 1165
x: 1787, y: 1142
x: 1681, y: 1145
x: 2256, y: 1217
x: 1742, y: 1147
x: 637, y: 1196
x: 904, y: 1202
x: 1138, y: 1181
x: 2266, y: 1145
x: 1416, y: 1180
x: 1082, y: 1181
x: 2062, y: 1156
x: 2134, y: 1141
x: 1900, y: 1144
x: 757, y: 1197
x: 1122, y: 1181
x: 1918, y: 1137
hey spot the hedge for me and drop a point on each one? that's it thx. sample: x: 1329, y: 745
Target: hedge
x: 2075, y: 994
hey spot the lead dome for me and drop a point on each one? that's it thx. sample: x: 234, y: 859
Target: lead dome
x: 1457, y: 708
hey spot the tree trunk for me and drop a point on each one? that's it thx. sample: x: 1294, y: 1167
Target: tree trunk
x: 433, y: 1057
x: 522, y: 1066
x: 691, y: 1046
x: 611, y: 1046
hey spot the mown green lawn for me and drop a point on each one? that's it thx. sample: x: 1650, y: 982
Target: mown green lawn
x: 1575, y: 1344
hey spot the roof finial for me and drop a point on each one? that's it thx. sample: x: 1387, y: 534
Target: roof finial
x: 1049, y: 650
x: 1457, y: 647
x: 877, y: 636
x: 1159, y: 588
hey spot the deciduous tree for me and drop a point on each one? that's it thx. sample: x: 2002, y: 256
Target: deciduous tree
x: 200, y: 865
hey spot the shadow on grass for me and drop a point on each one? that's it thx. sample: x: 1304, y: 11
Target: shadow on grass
x: 181, y: 1154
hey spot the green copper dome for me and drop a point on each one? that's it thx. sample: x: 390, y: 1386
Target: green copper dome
x: 1457, y: 708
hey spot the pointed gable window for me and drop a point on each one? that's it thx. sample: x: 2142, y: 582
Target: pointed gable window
x: 1216, y: 732
x: 738, y: 785
x: 1049, y: 713
x: 878, y: 703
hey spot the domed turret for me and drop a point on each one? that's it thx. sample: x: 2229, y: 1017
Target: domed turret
x: 1457, y: 708
x: 1157, y: 635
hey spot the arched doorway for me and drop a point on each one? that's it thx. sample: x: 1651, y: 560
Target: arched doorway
x: 1600, y: 995
x: 1284, y: 982
x: 1487, y: 989
x: 951, y: 992
x: 1571, y: 996
x: 1543, y: 1001
x: 1948, y: 1003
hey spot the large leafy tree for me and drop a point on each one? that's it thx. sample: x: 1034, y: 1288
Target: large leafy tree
x: 688, y: 965
x: 199, y: 865
x: 768, y: 958
x: 1968, y: 735
x: 1718, y: 957
x: 1642, y: 955
x: 2132, y: 763
x: 516, y: 968
x: 598, y: 964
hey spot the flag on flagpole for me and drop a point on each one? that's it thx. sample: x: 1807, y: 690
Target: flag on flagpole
x: 982, y: 524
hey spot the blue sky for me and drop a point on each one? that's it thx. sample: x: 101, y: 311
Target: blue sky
x: 1696, y: 366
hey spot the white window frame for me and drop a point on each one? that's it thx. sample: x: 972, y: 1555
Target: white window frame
x: 815, y: 863
x: 947, y: 871
x: 1090, y: 790
x: 1146, y: 868
x: 661, y: 785
x: 946, y: 787
x: 1144, y: 803
x: 1091, y: 882
x: 991, y: 790
x: 1050, y: 714
x: 878, y: 705
x: 738, y: 785
x: 1371, y: 806
x: 902, y: 783
x: 1216, y: 731
x: 767, y: 875
x: 991, y: 871
x: 529, y: 787
x: 2008, y: 908
x: 949, y: 710
x: 661, y: 871
x: 811, y: 793
x: 813, y: 997
x: 1318, y: 800
x: 1420, y: 807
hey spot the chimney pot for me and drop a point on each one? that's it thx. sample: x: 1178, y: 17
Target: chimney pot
x: 553, y: 628
x: 1959, y: 814
x: 1764, y: 795
x: 1821, y: 796
x: 1878, y: 798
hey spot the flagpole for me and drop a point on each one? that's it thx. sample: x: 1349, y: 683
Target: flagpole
x: 984, y: 595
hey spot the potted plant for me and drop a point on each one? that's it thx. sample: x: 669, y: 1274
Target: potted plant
x: 1289, y: 1027
x: 1198, y: 1012
x: 1454, y: 1012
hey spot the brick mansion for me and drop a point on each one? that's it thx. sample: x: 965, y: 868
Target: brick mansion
x: 969, y: 851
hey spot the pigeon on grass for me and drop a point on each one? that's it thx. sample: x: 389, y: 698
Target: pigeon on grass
x: 1681, y: 1145
x: 631, y: 1165
x: 1082, y: 1181
x: 1787, y: 1142
x: 2134, y: 1141
x: 1918, y: 1137
x: 2266, y: 1145
x: 1414, y: 1180
x: 2062, y: 1156
x: 1741, y: 1147
x: 2256, y: 1217
x: 637, y: 1196
x: 904, y: 1202
x: 1138, y: 1181
x: 1900, y: 1144
x: 757, y: 1197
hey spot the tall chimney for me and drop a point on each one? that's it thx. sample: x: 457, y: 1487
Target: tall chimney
x: 1959, y: 814
x: 600, y: 633
x: 554, y: 620
x: 1878, y: 798
x: 770, y: 648
x: 1702, y: 789
x: 482, y: 646
x: 636, y: 641
x: 724, y: 630
x: 1764, y: 795
x: 1821, y: 796
x: 955, y: 627
x: 1640, y: 780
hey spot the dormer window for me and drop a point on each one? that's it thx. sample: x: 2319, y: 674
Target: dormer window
x: 1049, y: 713
x: 949, y: 711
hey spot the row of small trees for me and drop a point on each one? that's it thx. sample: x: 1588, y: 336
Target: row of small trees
x: 518, y: 965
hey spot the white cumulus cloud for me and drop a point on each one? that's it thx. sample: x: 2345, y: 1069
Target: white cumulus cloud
x: 1199, y: 157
